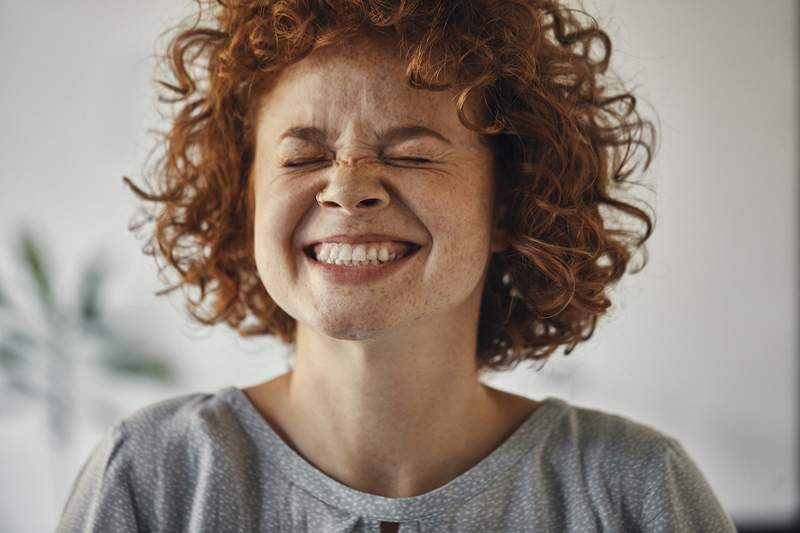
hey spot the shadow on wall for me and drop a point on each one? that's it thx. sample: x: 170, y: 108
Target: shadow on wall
x: 46, y: 344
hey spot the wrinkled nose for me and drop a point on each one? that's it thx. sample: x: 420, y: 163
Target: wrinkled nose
x: 353, y: 190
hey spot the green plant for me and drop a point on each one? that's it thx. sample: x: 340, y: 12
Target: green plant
x: 39, y: 359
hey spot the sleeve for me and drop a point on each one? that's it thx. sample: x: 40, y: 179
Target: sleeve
x: 679, y: 499
x: 101, y: 498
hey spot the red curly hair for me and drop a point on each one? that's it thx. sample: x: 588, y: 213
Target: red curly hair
x: 563, y: 142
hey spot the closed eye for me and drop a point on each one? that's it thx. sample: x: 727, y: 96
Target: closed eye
x: 292, y: 164
x: 417, y: 160
x: 410, y: 160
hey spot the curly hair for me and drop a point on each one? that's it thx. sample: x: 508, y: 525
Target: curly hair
x: 563, y: 132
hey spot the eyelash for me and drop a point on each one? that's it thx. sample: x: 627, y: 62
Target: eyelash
x: 295, y: 164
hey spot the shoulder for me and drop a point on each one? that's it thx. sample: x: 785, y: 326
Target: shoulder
x: 600, y: 452
x: 162, y: 448
x: 198, y: 414
x: 644, y: 473
x: 607, y: 439
x: 158, y: 458
x: 177, y: 429
x: 172, y: 446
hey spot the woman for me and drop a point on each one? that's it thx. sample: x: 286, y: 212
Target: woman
x: 406, y: 193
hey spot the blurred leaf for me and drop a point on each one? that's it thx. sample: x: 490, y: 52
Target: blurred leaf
x: 33, y: 260
x: 23, y: 387
x: 15, y: 394
x: 9, y: 357
x: 4, y: 301
x: 136, y: 364
x: 18, y: 337
x: 91, y: 285
x: 99, y: 329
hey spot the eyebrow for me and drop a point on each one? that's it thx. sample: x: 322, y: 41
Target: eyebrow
x: 385, y: 137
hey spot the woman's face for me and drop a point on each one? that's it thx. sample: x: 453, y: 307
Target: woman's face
x: 385, y: 159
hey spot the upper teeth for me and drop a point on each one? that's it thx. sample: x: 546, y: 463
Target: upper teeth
x: 367, y: 253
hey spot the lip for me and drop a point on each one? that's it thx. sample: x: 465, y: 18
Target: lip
x: 356, y: 275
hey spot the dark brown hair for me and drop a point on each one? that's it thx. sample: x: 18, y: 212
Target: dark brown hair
x: 563, y: 132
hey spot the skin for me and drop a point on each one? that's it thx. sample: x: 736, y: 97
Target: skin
x: 384, y: 396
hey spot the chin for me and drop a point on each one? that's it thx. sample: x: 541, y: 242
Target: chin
x: 352, y: 330
x: 354, y: 327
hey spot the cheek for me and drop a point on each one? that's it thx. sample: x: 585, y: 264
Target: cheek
x: 275, y: 219
x: 468, y: 235
x: 459, y: 228
x: 263, y: 245
x: 464, y: 218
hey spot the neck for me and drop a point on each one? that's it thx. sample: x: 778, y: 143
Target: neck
x: 397, y: 419
x: 397, y: 415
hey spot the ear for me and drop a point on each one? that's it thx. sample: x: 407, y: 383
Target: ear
x: 499, y: 241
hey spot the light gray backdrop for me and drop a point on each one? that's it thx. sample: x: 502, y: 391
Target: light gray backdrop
x: 702, y: 345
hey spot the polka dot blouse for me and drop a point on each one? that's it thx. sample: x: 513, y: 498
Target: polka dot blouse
x: 208, y: 462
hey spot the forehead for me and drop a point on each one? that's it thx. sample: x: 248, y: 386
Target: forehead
x: 359, y: 84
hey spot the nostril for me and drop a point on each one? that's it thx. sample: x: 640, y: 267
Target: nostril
x: 368, y: 202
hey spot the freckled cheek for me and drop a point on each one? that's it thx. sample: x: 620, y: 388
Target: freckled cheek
x: 262, y: 245
x: 461, y: 223
x: 275, y: 223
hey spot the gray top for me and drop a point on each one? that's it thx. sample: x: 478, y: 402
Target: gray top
x: 210, y: 462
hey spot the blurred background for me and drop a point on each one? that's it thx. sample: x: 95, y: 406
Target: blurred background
x: 701, y: 345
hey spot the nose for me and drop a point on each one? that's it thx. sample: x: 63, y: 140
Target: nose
x: 354, y: 191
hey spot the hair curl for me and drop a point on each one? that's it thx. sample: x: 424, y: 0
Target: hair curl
x: 563, y: 143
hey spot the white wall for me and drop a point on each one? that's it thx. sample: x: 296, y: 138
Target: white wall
x: 701, y: 345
